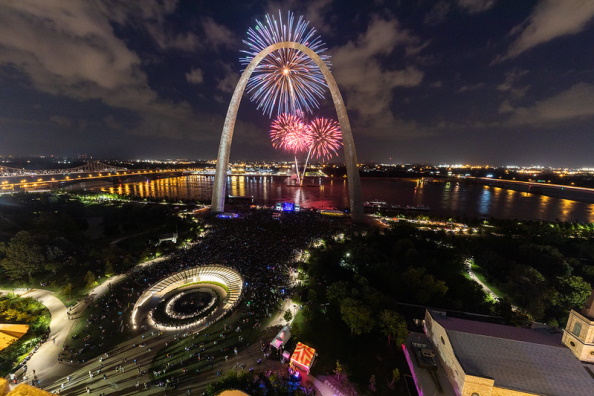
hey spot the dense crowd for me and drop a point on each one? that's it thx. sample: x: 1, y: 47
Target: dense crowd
x: 258, y: 246
x: 262, y: 249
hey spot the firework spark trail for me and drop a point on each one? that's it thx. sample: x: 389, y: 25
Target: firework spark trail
x: 286, y: 80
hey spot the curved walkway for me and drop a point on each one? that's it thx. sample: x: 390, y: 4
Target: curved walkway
x: 44, y: 359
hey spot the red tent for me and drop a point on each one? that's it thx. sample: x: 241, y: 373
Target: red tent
x: 303, y: 356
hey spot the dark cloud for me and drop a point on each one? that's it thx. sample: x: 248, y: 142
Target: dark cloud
x: 475, y: 6
x: 511, y: 85
x: 316, y: 12
x: 62, y: 121
x: 367, y: 84
x: 195, y: 76
x: 572, y: 104
x: 217, y: 35
x: 466, y: 88
x: 229, y: 80
x: 550, y: 19
x: 440, y: 11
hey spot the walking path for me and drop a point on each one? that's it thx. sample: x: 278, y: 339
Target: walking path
x: 43, y: 360
x: 486, y: 288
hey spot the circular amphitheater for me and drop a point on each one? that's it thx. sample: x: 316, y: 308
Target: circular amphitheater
x: 191, y: 299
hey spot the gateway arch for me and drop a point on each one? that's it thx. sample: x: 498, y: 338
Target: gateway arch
x: 350, y: 156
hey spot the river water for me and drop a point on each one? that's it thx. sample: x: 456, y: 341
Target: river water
x: 444, y: 199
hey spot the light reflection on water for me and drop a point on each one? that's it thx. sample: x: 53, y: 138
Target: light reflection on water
x: 447, y: 199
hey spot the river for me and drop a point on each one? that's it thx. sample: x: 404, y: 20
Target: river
x: 444, y: 199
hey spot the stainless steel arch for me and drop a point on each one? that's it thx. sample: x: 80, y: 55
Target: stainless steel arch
x: 350, y: 156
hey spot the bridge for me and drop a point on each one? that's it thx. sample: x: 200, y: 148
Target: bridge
x: 583, y: 194
x: 91, y: 167
x: 15, y: 179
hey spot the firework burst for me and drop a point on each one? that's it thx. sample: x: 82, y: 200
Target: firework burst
x: 286, y: 80
x: 289, y: 132
x: 325, y: 137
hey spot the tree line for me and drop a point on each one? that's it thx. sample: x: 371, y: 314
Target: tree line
x: 62, y: 240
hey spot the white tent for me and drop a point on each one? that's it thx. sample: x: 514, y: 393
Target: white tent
x: 281, y: 338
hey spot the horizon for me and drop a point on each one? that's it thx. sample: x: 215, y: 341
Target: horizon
x: 89, y: 158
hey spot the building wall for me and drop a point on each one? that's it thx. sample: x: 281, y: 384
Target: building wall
x: 582, y: 344
x: 438, y: 336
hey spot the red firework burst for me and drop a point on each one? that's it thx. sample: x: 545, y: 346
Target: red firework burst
x: 289, y: 132
x: 325, y: 137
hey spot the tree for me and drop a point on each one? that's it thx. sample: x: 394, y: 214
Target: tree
x: 529, y: 289
x: 312, y: 296
x: 573, y: 291
x: 296, y: 330
x: 422, y: 285
x: 90, y: 279
x: 356, y: 316
x: 338, y: 291
x: 372, y: 383
x: 55, y: 258
x: 67, y: 290
x: 24, y: 256
x: 395, y: 377
x: 109, y: 268
x: 340, y: 372
x: 393, y: 326
x: 16, y: 315
x: 288, y: 316
x: 546, y: 259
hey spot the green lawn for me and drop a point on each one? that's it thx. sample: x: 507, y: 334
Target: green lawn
x: 478, y: 271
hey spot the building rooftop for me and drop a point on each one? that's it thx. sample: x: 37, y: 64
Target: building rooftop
x: 10, y: 333
x: 499, y: 331
x: 517, y: 359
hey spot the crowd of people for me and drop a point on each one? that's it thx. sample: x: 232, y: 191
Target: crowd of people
x: 262, y: 249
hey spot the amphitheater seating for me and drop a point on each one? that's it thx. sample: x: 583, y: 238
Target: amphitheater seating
x: 216, y: 273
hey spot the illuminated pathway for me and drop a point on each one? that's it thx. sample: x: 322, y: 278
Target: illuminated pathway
x: 44, y: 360
x: 486, y: 288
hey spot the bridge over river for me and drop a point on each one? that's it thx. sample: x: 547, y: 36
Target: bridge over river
x: 573, y: 193
x: 21, y: 179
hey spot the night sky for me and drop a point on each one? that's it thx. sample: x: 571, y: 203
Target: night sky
x: 502, y: 82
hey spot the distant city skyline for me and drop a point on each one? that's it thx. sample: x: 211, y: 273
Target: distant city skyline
x: 456, y: 82
x: 18, y: 163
